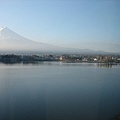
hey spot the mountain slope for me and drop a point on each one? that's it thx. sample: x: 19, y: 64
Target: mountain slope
x: 11, y: 41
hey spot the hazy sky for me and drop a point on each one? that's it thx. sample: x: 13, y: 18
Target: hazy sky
x: 93, y: 24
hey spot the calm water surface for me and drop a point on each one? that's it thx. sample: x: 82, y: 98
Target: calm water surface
x: 59, y: 91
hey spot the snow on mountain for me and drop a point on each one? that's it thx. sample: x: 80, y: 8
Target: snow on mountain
x: 1, y: 28
x: 11, y: 41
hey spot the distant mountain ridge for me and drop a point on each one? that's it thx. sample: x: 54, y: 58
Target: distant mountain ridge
x: 11, y: 41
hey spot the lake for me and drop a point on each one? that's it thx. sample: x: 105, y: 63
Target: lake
x: 59, y: 91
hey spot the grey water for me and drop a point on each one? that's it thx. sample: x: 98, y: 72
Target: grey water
x: 59, y: 91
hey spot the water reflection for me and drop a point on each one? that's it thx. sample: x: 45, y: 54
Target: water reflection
x: 51, y: 63
x: 105, y: 65
x: 59, y: 91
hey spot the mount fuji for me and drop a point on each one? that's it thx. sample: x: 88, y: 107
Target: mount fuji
x: 12, y: 42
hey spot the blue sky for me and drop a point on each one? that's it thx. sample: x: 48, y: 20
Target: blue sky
x: 92, y: 24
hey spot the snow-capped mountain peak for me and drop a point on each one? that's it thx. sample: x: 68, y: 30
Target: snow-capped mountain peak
x: 11, y: 41
x: 8, y: 35
x: 1, y: 28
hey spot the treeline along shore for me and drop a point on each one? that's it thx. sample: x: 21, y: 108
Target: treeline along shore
x: 75, y: 58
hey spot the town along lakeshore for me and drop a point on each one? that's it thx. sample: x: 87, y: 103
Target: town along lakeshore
x: 75, y: 58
